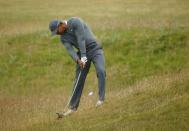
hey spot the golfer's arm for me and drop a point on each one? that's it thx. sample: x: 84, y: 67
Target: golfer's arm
x: 71, y: 51
x: 79, y: 32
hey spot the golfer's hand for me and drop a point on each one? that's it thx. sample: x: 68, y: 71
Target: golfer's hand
x: 81, y: 64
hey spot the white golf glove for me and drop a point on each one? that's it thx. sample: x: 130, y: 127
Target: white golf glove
x: 84, y: 59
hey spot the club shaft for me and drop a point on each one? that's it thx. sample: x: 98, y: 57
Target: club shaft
x: 73, y: 90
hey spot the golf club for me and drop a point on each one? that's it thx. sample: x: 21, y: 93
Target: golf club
x: 60, y: 115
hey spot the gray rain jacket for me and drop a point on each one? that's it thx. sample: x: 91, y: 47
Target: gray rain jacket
x: 80, y: 36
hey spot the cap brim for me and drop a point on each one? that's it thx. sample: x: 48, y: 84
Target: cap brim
x: 54, y: 32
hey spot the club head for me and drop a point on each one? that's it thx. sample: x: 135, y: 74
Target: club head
x: 60, y: 116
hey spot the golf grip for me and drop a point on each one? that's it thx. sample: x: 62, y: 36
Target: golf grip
x: 73, y: 90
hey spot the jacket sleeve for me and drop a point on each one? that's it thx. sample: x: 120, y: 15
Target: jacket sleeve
x: 71, y: 51
x: 79, y: 32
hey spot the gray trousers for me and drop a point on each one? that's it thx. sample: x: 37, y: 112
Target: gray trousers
x: 97, y: 58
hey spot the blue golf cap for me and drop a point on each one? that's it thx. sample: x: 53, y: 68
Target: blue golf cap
x: 53, y: 25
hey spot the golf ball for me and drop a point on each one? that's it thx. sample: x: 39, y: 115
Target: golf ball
x: 90, y: 93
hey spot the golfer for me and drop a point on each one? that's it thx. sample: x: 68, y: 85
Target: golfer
x: 75, y: 33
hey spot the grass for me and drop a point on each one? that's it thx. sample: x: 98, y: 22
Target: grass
x: 156, y: 103
x: 146, y: 45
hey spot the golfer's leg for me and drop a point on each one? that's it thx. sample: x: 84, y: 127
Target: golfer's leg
x: 99, y: 63
x: 74, y: 103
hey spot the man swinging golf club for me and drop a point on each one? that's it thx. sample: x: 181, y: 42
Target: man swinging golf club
x: 75, y: 33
